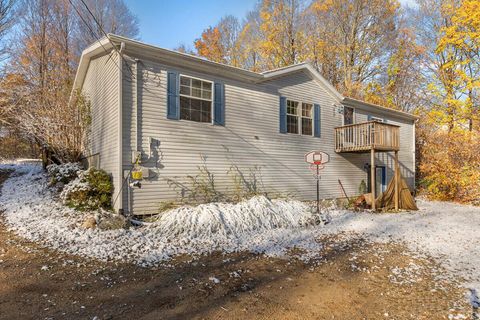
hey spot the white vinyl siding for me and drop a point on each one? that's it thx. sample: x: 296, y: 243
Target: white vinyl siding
x: 101, y: 88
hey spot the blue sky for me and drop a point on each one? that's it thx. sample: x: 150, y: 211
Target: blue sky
x: 168, y: 23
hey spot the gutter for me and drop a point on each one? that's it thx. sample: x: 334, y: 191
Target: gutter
x: 370, y: 106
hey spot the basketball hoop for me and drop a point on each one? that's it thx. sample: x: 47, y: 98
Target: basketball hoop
x: 317, y: 157
x: 317, y: 161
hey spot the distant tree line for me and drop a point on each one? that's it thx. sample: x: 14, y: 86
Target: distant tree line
x: 424, y: 59
x: 41, y: 42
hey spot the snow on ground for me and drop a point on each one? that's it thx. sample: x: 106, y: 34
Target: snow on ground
x: 256, y: 225
x: 450, y: 233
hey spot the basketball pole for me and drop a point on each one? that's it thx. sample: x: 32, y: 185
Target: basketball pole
x: 318, y: 191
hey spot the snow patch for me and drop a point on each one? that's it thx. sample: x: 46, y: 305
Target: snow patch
x: 257, y: 225
x: 448, y: 232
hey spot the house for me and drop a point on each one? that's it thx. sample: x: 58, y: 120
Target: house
x: 178, y: 112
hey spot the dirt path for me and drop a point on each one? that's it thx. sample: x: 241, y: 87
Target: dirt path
x: 353, y: 280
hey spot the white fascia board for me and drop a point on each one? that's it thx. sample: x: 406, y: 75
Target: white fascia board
x: 186, y: 60
x: 376, y: 108
x: 93, y: 50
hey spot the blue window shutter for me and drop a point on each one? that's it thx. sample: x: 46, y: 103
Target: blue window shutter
x: 283, y: 115
x: 173, y: 101
x: 317, y: 120
x: 219, y: 104
x: 369, y: 118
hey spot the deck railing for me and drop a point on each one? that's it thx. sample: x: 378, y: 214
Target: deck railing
x: 366, y: 136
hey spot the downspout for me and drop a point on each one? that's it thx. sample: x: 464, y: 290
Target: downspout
x: 120, y: 126
x: 137, y: 145
x: 138, y: 141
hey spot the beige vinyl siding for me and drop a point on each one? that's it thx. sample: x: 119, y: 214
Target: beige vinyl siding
x: 250, y: 138
x: 101, y: 88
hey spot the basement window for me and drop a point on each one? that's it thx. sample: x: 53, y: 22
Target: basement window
x: 195, y: 99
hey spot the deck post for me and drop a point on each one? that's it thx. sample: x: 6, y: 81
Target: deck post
x: 396, y: 180
x: 372, y: 176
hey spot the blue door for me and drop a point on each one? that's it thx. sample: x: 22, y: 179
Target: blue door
x: 380, y: 179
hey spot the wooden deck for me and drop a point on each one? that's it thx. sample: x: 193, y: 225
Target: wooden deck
x: 371, y: 137
x: 367, y: 136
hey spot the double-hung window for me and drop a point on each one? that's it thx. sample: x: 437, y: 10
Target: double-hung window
x: 292, y: 116
x: 307, y: 127
x: 195, y: 99
x: 299, y: 118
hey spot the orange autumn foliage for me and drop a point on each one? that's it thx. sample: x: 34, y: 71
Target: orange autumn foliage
x: 209, y: 45
x: 450, y: 166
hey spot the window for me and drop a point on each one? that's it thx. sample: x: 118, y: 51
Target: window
x: 307, y: 119
x: 195, y: 99
x: 292, y: 116
x: 347, y: 115
x: 299, y: 119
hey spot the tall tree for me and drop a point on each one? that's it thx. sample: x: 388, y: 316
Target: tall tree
x: 36, y: 92
x: 358, y: 35
x: 401, y: 83
x: 444, y: 91
x: 463, y: 34
x: 111, y: 16
x: 221, y: 42
x: 210, y: 46
x: 230, y: 29
x: 283, y: 38
x: 249, y: 42
x: 320, y: 52
x: 6, y: 22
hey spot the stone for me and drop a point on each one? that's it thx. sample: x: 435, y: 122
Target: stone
x: 112, y: 222
x: 89, y: 223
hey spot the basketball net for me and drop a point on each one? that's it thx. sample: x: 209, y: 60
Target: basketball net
x: 313, y: 168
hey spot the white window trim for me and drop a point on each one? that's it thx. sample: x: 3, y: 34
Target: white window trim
x: 300, y: 117
x: 353, y: 116
x: 192, y: 97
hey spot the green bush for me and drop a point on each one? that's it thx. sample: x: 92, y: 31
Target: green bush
x: 92, y: 190
x: 64, y: 172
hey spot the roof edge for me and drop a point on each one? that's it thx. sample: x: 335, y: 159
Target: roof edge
x: 172, y: 55
x: 305, y: 66
x: 105, y: 44
x: 95, y: 49
x: 359, y: 103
